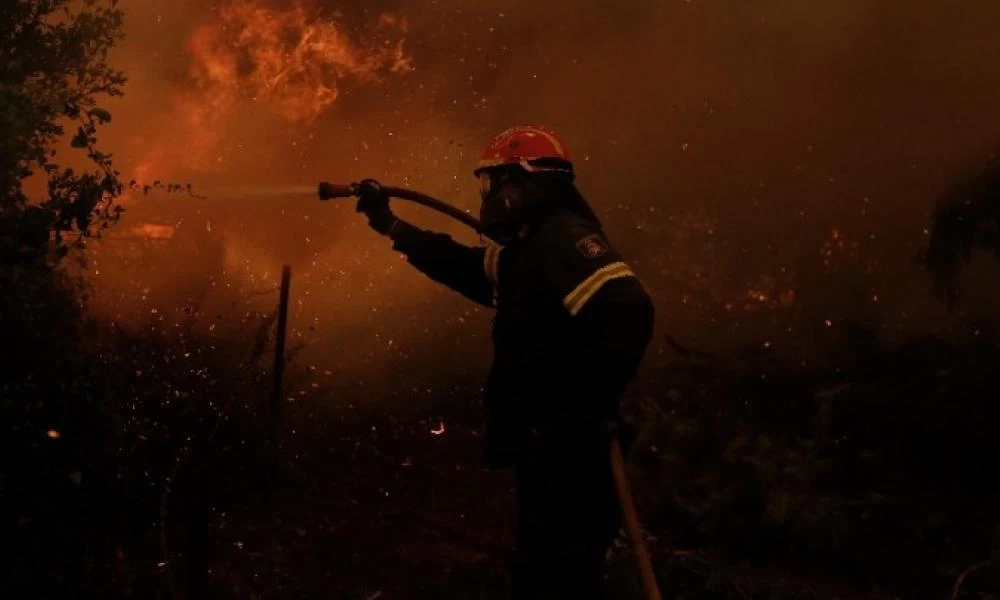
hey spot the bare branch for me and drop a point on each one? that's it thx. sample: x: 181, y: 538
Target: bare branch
x: 961, y: 578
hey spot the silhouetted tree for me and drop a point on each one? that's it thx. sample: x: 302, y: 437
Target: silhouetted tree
x: 966, y: 219
x: 54, y: 70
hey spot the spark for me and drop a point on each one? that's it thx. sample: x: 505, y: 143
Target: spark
x: 439, y: 430
x: 53, y: 434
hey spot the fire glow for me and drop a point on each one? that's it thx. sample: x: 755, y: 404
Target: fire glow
x: 289, y: 61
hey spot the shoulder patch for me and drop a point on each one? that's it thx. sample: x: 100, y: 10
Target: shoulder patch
x: 592, y: 246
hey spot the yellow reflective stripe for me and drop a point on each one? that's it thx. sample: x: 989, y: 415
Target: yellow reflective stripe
x: 491, y: 266
x: 575, y: 300
x: 490, y: 262
x: 487, y: 258
x: 572, y: 297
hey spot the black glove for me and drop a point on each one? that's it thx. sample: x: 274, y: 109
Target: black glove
x: 375, y: 204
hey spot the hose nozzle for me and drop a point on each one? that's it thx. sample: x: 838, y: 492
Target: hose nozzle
x: 329, y: 191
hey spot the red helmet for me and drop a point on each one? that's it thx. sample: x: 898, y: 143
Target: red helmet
x: 534, y: 148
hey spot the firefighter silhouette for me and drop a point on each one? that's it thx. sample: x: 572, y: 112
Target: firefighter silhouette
x: 571, y: 326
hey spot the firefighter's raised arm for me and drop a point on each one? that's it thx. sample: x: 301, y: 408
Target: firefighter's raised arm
x: 462, y: 268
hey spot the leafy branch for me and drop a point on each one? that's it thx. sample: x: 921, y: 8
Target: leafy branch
x: 56, y: 70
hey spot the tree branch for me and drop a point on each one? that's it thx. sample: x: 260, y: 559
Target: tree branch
x: 961, y: 578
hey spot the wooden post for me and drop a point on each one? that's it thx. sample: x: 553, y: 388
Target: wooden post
x: 279, y: 352
x: 651, y: 591
x: 198, y: 516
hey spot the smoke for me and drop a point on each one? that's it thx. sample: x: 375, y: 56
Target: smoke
x: 765, y: 166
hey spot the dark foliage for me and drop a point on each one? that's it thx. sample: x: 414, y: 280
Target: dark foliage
x: 868, y: 474
x: 54, y: 53
x: 99, y: 444
x: 73, y: 402
x: 966, y: 219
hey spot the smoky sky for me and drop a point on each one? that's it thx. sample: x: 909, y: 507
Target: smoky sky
x: 733, y: 149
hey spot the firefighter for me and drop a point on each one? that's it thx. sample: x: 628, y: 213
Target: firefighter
x: 572, y: 323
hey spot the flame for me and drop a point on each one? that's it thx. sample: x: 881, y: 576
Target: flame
x: 290, y: 61
x: 153, y: 231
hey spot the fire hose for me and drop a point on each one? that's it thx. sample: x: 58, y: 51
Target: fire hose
x: 329, y: 191
x: 630, y: 517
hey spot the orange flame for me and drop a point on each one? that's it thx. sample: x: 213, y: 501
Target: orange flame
x: 290, y: 61
x: 153, y: 231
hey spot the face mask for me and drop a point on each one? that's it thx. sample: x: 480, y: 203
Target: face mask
x: 496, y: 214
x: 502, y: 210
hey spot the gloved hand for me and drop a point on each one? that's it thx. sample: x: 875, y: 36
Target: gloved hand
x: 375, y: 204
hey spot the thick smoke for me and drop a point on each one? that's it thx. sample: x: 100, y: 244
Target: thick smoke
x: 766, y: 166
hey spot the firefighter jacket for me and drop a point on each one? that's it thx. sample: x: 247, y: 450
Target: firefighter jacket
x: 571, y: 326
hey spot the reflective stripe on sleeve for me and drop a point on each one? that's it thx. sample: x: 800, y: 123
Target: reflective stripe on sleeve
x: 490, y: 262
x: 575, y: 300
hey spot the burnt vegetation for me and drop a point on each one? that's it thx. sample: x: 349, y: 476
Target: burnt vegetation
x: 135, y: 461
x: 965, y: 221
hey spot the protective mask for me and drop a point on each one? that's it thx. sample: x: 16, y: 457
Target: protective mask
x: 501, y: 212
